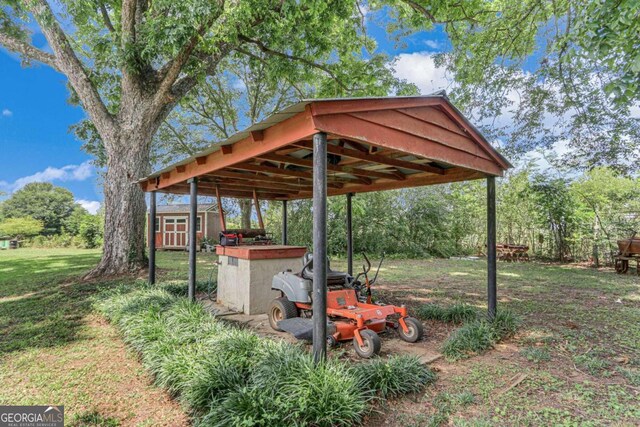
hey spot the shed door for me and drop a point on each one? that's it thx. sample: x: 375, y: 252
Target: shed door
x: 181, y: 232
x: 169, y: 231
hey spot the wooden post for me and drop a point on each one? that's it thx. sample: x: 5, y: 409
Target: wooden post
x: 152, y: 237
x: 491, y: 247
x: 319, y: 247
x: 193, y: 214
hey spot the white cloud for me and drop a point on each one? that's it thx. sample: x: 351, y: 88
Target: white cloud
x: 433, y: 44
x: 90, y: 205
x: 7, y: 113
x: 66, y: 173
x: 419, y: 68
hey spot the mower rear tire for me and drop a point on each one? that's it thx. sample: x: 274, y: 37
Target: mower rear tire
x: 280, y: 309
x: 416, y: 330
x: 371, y: 344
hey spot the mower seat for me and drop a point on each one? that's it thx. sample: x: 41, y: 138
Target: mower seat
x: 334, y: 278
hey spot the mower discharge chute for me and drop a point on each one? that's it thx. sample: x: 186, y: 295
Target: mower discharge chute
x: 350, y: 312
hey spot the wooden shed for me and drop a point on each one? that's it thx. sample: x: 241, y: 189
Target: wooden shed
x: 172, y: 225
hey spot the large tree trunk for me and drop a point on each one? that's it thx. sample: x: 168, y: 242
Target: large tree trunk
x: 245, y: 213
x: 128, y: 159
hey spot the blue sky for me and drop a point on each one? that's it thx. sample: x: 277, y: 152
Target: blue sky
x: 35, y: 116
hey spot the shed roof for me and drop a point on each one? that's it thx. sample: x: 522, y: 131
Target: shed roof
x: 373, y: 144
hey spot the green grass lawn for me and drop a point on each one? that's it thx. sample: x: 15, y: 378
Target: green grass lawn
x: 578, y: 348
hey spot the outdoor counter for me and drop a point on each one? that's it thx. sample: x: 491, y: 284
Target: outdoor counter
x: 245, y: 274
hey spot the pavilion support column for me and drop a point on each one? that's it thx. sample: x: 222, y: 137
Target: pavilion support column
x: 319, y: 247
x: 491, y: 247
x: 349, y: 236
x: 193, y: 214
x: 152, y: 237
x: 284, y: 222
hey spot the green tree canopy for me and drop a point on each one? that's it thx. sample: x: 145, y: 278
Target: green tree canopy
x: 129, y: 63
x: 21, y: 227
x: 558, y: 70
x: 42, y: 201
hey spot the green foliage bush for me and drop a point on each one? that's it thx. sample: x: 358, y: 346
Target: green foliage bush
x: 395, y: 376
x: 230, y: 376
x: 471, y: 338
x: 478, y: 336
x: 457, y: 313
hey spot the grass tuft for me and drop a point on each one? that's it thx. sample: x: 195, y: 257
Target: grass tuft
x: 398, y: 375
x: 457, y: 313
x: 505, y: 324
x: 470, y: 339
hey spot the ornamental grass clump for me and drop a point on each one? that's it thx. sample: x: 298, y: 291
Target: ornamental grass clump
x: 470, y: 339
x: 480, y: 335
x: 226, y: 375
x: 457, y: 313
x: 395, y: 376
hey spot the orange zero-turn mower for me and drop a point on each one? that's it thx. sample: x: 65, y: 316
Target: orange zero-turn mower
x: 350, y: 313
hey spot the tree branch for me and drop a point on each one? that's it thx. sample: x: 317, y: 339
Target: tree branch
x: 68, y: 63
x: 105, y: 17
x: 310, y: 63
x: 24, y: 48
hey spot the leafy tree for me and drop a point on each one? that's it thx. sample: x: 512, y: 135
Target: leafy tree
x: 42, y: 201
x: 21, y: 227
x: 560, y: 71
x: 130, y: 62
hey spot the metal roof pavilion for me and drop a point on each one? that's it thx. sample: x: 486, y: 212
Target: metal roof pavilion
x: 326, y: 147
x: 373, y: 144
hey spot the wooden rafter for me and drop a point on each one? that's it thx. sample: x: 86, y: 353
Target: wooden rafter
x: 376, y: 158
x: 290, y: 172
x: 335, y: 168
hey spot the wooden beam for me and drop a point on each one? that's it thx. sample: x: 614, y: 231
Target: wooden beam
x: 250, y: 185
x: 335, y: 168
x: 289, y: 172
x: 181, y: 168
x: 166, y: 175
x: 372, y: 133
x: 376, y: 158
x: 277, y: 136
x: 261, y: 179
x: 415, y: 180
x: 226, y: 149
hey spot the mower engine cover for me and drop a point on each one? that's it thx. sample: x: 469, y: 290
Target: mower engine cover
x: 294, y: 287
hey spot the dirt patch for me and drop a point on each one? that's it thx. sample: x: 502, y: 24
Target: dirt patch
x: 97, y: 379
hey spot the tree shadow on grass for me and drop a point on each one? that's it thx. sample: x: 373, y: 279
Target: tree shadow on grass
x: 45, y: 306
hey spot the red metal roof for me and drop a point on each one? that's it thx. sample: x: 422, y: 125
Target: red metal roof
x: 373, y: 144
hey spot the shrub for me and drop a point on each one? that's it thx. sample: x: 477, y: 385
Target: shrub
x: 469, y: 339
x: 431, y: 312
x: 460, y: 312
x: 505, y: 324
x: 480, y: 335
x: 230, y: 376
x: 457, y: 313
x: 395, y: 376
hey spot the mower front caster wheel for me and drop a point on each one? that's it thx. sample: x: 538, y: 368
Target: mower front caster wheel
x: 370, y: 344
x: 280, y: 309
x: 415, y: 330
